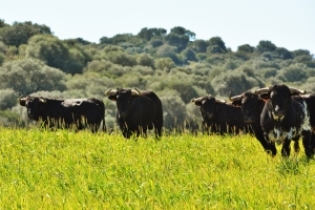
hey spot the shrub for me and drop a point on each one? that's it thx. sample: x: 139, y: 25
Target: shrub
x: 8, y: 98
x: 29, y: 75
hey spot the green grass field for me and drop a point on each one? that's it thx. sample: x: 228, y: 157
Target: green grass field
x: 80, y: 170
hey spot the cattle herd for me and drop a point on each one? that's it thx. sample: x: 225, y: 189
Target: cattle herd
x: 274, y: 115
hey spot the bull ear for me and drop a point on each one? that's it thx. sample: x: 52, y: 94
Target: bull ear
x: 237, y: 103
x: 264, y: 96
x: 22, y: 101
x: 112, y: 98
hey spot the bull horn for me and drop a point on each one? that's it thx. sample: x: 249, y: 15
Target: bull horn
x: 297, y: 91
x: 220, y: 101
x: 235, y: 98
x: 262, y: 90
x: 135, y: 92
x: 42, y: 100
x: 110, y: 92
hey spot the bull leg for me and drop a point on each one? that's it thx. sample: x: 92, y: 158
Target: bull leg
x: 125, y: 129
x: 207, y: 129
x: 139, y: 131
x: 158, y: 131
x: 144, y: 132
x: 296, y: 144
x: 285, y: 151
x: 269, y: 147
x: 307, y: 143
x: 126, y: 133
x: 313, y: 142
x: 224, y: 128
x: 214, y: 128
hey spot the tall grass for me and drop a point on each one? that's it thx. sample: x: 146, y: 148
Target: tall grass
x: 79, y: 170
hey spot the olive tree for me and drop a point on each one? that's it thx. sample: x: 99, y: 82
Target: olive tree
x: 19, y: 33
x: 8, y: 98
x: 29, y: 75
x: 56, y: 53
x: 292, y: 73
x: 235, y: 81
x: 174, y: 109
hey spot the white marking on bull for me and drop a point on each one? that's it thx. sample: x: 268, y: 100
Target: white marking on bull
x: 306, y: 121
x: 278, y: 135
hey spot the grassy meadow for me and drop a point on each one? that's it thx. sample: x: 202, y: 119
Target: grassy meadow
x: 79, y: 170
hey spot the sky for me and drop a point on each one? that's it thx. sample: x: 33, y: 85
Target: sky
x: 286, y: 23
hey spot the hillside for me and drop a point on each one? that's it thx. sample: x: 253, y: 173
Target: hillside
x: 174, y: 64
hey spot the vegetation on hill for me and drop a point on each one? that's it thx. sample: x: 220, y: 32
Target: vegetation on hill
x: 174, y: 64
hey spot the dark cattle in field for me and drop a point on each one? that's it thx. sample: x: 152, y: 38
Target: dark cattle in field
x: 219, y: 117
x: 252, y: 105
x: 310, y: 101
x: 63, y: 113
x: 284, y: 118
x: 137, y: 111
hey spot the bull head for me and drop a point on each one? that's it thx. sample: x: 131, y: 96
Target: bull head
x: 292, y: 89
x: 22, y: 101
x: 112, y: 92
x: 281, y: 99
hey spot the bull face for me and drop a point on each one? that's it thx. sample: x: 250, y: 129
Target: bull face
x: 123, y: 98
x: 280, y: 100
x: 207, y: 106
x: 33, y: 106
x: 249, y: 106
x: 248, y: 102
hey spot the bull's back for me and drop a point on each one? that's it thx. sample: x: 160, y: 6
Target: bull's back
x: 155, y: 103
x: 92, y: 109
x: 220, y: 114
x: 53, y: 109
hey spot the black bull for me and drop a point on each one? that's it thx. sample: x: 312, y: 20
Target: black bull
x: 279, y: 114
x: 219, y: 117
x: 137, y: 111
x: 63, y: 113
